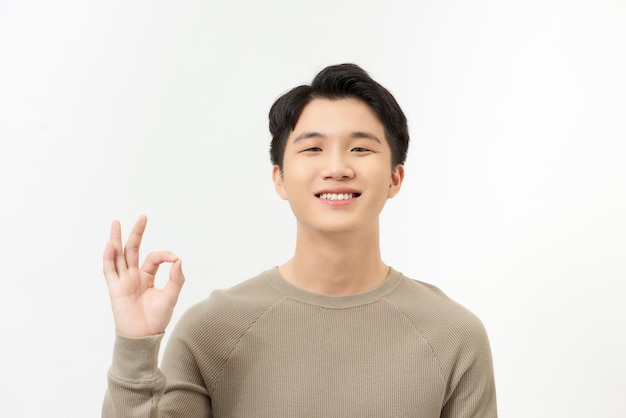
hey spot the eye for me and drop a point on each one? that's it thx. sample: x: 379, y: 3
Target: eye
x: 360, y: 149
x: 312, y: 149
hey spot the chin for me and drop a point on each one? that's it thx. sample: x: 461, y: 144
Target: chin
x: 339, y: 228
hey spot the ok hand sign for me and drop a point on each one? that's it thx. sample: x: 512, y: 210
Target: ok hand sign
x: 139, y: 308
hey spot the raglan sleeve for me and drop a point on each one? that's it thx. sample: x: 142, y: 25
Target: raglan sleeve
x: 474, y: 394
x: 137, y: 387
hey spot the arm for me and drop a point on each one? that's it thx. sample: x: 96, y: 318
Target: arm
x: 138, y: 387
x: 141, y: 313
x: 474, y: 395
x: 135, y: 383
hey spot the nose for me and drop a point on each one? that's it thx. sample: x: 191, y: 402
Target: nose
x: 337, y: 166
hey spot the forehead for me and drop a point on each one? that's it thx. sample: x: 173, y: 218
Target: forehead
x: 338, y: 116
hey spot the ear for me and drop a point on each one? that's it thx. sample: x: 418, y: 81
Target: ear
x: 279, y: 182
x: 397, y: 176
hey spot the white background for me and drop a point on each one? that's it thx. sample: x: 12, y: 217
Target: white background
x: 514, y: 202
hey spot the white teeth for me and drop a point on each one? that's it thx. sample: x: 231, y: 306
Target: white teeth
x: 336, y: 196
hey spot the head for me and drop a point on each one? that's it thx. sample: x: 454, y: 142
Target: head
x: 339, y: 82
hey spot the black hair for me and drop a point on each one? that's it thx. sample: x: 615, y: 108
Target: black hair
x: 339, y: 82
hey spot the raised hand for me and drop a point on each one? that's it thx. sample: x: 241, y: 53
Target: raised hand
x: 139, y: 308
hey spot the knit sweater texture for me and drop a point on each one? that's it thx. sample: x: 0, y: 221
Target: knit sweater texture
x: 266, y: 348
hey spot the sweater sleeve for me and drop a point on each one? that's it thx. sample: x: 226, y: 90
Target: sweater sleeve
x: 460, y: 343
x: 474, y: 395
x: 137, y: 387
x: 135, y: 382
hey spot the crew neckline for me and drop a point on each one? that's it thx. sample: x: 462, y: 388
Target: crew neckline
x: 336, y: 302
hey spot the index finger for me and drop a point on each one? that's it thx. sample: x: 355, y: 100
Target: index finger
x: 115, y: 240
x: 131, y: 249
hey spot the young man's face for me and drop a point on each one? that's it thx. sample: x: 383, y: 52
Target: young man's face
x: 337, y: 172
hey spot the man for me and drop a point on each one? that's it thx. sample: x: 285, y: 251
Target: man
x: 333, y: 332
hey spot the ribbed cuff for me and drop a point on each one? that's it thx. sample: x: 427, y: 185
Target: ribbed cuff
x: 136, y: 358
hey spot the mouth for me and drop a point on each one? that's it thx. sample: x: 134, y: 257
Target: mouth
x: 337, y: 196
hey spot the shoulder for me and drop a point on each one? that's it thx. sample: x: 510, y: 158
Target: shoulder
x: 448, y: 327
x: 424, y: 304
x: 457, y: 339
x: 238, y: 306
x: 218, y: 322
x: 205, y: 336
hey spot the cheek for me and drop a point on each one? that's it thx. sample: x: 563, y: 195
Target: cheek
x: 385, y: 186
x: 293, y: 181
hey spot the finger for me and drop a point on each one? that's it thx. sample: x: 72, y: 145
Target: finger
x: 108, y: 262
x: 154, y: 260
x: 175, y: 283
x: 131, y: 250
x: 116, y: 243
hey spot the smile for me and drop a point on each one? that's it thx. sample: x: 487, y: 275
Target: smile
x: 338, y: 196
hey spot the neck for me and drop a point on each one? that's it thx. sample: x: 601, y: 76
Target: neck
x: 336, y: 264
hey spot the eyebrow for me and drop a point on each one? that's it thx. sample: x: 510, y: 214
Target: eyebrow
x: 357, y: 134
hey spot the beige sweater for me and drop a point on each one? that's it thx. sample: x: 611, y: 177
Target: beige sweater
x: 265, y: 348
